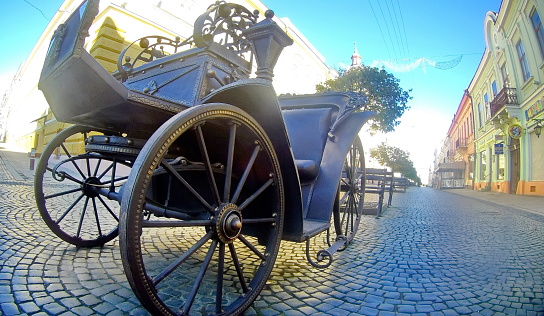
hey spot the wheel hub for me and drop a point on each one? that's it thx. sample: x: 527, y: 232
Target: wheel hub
x: 229, y: 223
x: 90, y: 186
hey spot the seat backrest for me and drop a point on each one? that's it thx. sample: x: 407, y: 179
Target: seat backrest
x: 307, y: 130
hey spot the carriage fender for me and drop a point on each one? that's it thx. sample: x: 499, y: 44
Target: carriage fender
x: 334, y: 153
x: 258, y: 98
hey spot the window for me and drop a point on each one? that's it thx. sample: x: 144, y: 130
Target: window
x: 487, y: 110
x: 483, y: 165
x: 480, y: 113
x: 494, y: 89
x: 471, y: 125
x: 523, y: 61
x: 539, y: 31
x: 504, y: 73
x: 500, y: 167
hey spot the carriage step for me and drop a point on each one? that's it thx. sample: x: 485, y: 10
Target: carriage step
x: 117, y: 145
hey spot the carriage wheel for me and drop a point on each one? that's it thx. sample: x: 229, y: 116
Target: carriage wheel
x: 66, y: 187
x: 349, y: 203
x: 202, y: 215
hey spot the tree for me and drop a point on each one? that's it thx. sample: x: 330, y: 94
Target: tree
x: 396, y: 159
x: 385, y: 96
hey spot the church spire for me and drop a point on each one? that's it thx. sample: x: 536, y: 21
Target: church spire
x: 356, y: 59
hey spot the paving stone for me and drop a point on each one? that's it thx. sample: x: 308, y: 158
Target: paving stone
x: 411, y: 261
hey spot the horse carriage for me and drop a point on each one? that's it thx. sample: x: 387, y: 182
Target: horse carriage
x: 199, y: 169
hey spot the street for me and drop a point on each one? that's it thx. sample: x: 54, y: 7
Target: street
x: 431, y: 253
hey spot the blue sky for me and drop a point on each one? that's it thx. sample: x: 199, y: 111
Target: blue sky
x: 397, y: 30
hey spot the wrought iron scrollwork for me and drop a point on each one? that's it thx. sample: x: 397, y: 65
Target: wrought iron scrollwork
x: 151, y: 48
x: 357, y: 102
x: 222, y: 23
x: 323, y: 257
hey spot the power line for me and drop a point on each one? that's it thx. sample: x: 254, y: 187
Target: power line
x: 395, y: 27
x: 35, y: 7
x: 387, y: 28
x: 380, y: 28
x: 404, y: 29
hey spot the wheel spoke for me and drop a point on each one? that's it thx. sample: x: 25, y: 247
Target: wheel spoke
x: 199, y: 278
x: 62, y: 193
x: 113, y: 170
x: 238, y: 268
x: 97, y: 167
x: 250, y: 246
x: 207, y: 164
x: 88, y: 166
x: 220, y: 271
x: 157, y: 279
x: 69, y: 209
x: 176, y: 175
x: 194, y: 223
x: 246, y: 221
x: 82, y: 217
x: 246, y: 173
x: 72, y: 161
x: 256, y: 194
x: 108, y: 208
x: 97, y: 218
x: 230, y: 158
x: 105, y: 172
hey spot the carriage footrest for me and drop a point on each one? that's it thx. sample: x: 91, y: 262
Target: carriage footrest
x: 114, y: 145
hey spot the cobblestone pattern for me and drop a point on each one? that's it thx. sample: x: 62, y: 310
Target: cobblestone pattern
x: 431, y: 253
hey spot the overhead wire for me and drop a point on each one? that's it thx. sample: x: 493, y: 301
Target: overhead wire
x: 396, y: 30
x: 388, y: 31
x: 380, y: 28
x: 39, y: 10
x: 404, y: 30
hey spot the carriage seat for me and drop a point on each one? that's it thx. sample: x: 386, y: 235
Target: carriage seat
x: 307, y: 169
x: 307, y: 129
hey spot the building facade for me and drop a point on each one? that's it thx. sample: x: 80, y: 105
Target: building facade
x: 507, y: 92
x: 455, y: 167
x: 120, y: 23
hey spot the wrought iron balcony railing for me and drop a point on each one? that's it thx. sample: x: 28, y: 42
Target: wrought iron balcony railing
x: 507, y: 96
x: 461, y: 143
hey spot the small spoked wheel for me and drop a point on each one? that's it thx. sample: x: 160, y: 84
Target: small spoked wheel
x: 67, y: 187
x: 202, y: 214
x: 349, y: 203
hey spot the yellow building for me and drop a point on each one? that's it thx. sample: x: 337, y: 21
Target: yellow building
x: 507, y: 93
x: 119, y: 23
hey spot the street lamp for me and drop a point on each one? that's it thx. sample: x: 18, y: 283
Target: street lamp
x: 538, y: 127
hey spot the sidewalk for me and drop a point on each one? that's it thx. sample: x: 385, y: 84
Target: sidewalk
x: 15, y: 164
x: 533, y: 204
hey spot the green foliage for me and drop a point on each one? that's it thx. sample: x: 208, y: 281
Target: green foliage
x: 382, y: 89
x: 396, y: 159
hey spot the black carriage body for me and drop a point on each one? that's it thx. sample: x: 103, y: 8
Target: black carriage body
x: 187, y: 140
x: 311, y: 133
x: 80, y: 91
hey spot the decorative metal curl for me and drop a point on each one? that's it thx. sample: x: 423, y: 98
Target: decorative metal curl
x: 320, y: 256
x: 223, y: 23
x: 357, y: 102
x: 152, y: 48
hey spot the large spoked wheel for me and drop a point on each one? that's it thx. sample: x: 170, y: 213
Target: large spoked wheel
x: 349, y: 204
x: 67, y: 188
x: 202, y: 215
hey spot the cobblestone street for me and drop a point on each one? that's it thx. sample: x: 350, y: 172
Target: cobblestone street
x: 431, y: 253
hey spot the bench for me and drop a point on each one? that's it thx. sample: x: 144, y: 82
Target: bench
x: 377, y: 182
x: 400, y: 184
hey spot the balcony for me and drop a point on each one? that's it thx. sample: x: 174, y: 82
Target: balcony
x: 506, y: 97
x: 461, y: 143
